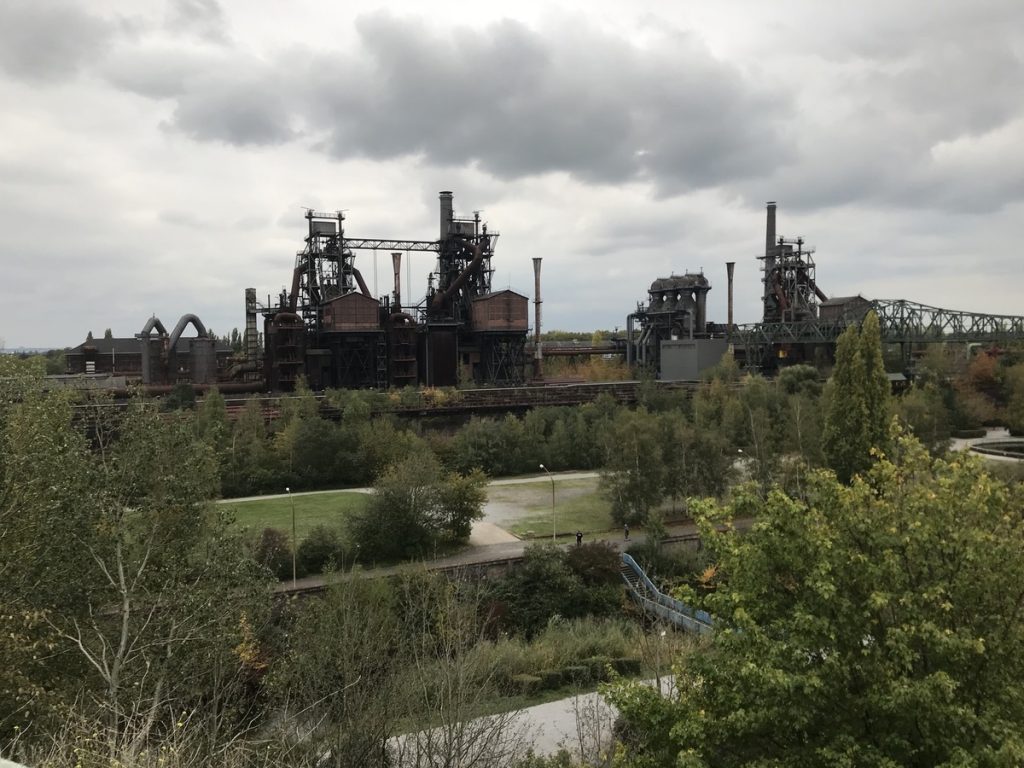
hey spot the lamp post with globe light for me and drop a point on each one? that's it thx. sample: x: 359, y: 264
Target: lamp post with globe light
x: 292, y: 500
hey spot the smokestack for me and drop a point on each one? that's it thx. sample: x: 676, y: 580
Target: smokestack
x: 396, y: 260
x: 769, y: 263
x: 730, y: 266
x: 538, y: 355
x: 446, y: 213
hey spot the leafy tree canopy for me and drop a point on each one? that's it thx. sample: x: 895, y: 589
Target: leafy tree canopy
x: 875, y: 624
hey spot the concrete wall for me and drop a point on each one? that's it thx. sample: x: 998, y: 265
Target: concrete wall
x: 684, y: 359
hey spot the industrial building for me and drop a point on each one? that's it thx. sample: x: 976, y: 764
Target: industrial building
x: 154, y: 356
x: 670, y: 336
x: 331, y: 330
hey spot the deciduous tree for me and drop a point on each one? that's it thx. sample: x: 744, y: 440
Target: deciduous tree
x: 878, y: 623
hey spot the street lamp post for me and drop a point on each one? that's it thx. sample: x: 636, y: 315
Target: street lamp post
x: 292, y: 500
x: 553, y: 526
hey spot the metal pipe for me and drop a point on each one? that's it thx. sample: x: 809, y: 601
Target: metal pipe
x: 478, y: 257
x: 396, y: 261
x: 360, y: 282
x: 730, y: 267
x: 153, y: 322
x: 629, y: 340
x: 769, y: 258
x: 446, y: 213
x: 538, y: 354
x: 180, y: 327
x: 294, y: 297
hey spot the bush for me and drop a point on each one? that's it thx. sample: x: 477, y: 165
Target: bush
x: 526, y: 683
x: 321, y: 548
x: 626, y: 665
x: 598, y: 667
x: 273, y: 551
x: 596, y: 563
x: 551, y: 678
x: 578, y: 674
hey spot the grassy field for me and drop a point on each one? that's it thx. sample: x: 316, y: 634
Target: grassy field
x: 525, y: 508
x: 330, y: 509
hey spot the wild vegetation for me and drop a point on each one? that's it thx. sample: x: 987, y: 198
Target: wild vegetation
x: 871, y: 617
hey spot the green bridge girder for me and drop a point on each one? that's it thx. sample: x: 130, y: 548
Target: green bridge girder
x: 901, y: 322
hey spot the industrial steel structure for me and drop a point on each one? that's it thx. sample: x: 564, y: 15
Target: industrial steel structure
x: 330, y: 329
x: 670, y: 334
x: 800, y: 323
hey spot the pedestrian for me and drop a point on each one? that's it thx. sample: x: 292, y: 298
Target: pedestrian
x: 625, y: 530
x: 579, y: 538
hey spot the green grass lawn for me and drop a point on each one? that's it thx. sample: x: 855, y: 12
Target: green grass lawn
x: 578, y: 507
x: 330, y: 509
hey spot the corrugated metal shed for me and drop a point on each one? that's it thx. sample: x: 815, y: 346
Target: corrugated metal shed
x: 352, y: 312
x: 500, y: 311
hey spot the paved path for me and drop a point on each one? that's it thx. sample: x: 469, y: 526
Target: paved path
x: 476, y: 555
x: 501, y: 481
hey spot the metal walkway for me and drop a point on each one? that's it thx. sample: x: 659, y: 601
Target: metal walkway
x: 659, y: 605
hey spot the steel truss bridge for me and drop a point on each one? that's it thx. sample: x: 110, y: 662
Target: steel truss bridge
x: 901, y: 322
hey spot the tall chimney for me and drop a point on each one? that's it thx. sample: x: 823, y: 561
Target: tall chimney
x: 770, y: 249
x: 730, y: 267
x: 538, y: 355
x: 446, y: 213
x: 396, y: 260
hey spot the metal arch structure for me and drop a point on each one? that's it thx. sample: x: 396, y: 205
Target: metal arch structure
x: 901, y: 322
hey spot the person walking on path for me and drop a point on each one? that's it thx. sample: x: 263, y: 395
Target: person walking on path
x: 625, y: 530
x: 579, y: 538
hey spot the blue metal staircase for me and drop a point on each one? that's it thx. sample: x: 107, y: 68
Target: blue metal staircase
x: 659, y: 605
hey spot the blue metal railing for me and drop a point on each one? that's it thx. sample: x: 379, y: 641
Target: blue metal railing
x: 653, y: 601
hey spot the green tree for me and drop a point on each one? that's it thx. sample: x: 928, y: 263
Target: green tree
x: 872, y: 624
x: 877, y: 390
x: 846, y: 438
x: 633, y: 475
x: 415, y: 507
x: 540, y: 587
x: 341, y: 673
x: 140, y: 585
x: 923, y: 409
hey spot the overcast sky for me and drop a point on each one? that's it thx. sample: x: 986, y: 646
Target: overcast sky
x: 155, y: 158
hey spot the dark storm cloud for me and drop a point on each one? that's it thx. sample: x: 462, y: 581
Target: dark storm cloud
x: 508, y: 99
x: 49, y: 41
x: 517, y: 102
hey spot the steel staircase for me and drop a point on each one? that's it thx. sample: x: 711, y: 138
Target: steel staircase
x: 659, y: 605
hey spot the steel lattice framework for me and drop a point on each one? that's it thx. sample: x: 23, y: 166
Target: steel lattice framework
x: 901, y: 322
x: 368, y: 244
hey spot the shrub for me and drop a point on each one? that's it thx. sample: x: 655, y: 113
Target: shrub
x: 273, y: 551
x: 598, y: 667
x: 578, y: 674
x: 626, y: 665
x: 321, y: 548
x: 551, y: 678
x: 526, y: 683
x: 596, y: 563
